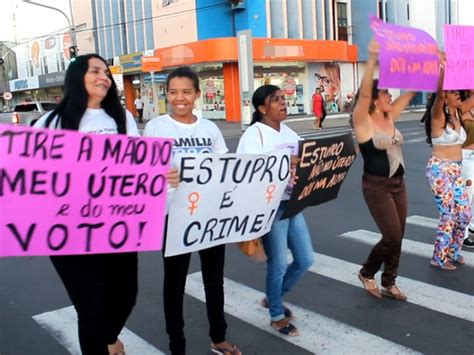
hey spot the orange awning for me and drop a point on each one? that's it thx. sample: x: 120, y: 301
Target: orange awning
x: 221, y: 50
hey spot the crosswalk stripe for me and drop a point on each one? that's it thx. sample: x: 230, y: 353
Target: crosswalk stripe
x: 415, y: 140
x: 318, y: 334
x: 408, y: 246
x: 423, y: 221
x: 422, y: 294
x: 61, y: 324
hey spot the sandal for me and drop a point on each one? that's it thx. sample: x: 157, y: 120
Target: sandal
x: 460, y: 260
x: 287, y: 312
x: 447, y: 266
x: 394, y: 292
x: 288, y: 329
x: 222, y: 350
x: 370, y: 285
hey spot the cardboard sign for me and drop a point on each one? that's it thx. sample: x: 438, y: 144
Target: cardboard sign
x: 65, y: 192
x: 408, y: 57
x: 225, y: 198
x: 323, y: 167
x: 459, y: 46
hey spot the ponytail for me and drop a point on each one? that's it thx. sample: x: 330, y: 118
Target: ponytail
x: 256, y: 117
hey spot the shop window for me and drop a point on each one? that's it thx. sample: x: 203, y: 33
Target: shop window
x: 45, y: 65
x: 342, y: 21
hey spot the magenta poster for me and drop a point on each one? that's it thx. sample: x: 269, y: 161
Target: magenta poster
x: 408, y: 57
x: 459, y: 47
x: 64, y: 192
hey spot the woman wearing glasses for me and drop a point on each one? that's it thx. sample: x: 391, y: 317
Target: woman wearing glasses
x: 383, y: 184
x: 446, y: 134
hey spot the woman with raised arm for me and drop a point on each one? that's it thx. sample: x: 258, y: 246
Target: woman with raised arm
x: 383, y: 183
x: 446, y: 134
x: 467, y: 111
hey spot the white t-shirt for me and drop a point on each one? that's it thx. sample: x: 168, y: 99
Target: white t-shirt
x: 270, y: 140
x: 138, y: 103
x: 202, y: 136
x: 96, y: 121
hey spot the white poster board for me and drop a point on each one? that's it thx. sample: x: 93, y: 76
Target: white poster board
x: 225, y: 198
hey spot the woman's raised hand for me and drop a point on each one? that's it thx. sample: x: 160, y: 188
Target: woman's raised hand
x: 374, y: 50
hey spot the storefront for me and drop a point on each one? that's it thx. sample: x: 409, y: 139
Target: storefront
x: 24, y: 90
x: 282, y: 62
x: 51, y: 86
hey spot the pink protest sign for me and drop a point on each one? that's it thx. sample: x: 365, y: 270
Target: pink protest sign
x: 408, y: 57
x: 459, y: 47
x: 64, y: 192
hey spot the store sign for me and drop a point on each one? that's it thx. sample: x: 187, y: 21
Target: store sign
x: 50, y: 42
x: 131, y: 62
x: 24, y: 84
x: 117, y: 74
x: 151, y: 64
x: 157, y: 78
x: 51, y: 80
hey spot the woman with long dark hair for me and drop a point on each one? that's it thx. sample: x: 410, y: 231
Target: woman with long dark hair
x: 267, y: 133
x: 446, y: 134
x: 102, y: 287
x: 383, y: 182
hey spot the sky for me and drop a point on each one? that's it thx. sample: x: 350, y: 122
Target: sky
x: 31, y: 20
x: 47, y: 21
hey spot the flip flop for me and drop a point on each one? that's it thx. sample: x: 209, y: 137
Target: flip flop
x: 225, y: 351
x: 447, y: 266
x: 286, y: 311
x: 288, y: 329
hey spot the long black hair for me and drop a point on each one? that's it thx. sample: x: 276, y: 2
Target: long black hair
x: 74, y: 104
x: 427, y: 117
x: 258, y: 99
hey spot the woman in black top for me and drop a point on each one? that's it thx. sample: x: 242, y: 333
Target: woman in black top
x: 383, y: 184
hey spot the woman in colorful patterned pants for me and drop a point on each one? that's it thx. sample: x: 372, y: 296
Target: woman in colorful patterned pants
x: 446, y: 134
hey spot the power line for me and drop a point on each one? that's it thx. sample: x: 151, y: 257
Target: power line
x: 111, y: 26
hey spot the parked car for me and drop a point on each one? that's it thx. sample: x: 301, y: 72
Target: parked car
x: 27, y: 113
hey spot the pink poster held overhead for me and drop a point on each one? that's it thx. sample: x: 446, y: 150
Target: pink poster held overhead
x: 408, y: 57
x: 64, y: 192
x: 459, y: 47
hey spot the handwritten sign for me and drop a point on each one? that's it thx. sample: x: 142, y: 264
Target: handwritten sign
x: 408, y: 57
x: 323, y: 167
x: 225, y: 198
x: 64, y: 192
x: 459, y: 47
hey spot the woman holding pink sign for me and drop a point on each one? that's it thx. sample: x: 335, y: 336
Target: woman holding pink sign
x: 445, y: 133
x: 383, y: 183
x: 102, y: 287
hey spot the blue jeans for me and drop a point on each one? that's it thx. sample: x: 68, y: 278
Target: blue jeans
x: 291, y: 233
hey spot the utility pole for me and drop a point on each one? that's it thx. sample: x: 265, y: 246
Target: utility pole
x: 72, y: 29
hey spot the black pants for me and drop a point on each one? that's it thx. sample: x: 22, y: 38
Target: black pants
x: 103, y: 289
x: 387, y: 201
x: 140, y: 115
x: 176, y: 270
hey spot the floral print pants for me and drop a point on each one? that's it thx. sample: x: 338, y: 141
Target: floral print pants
x: 449, y: 190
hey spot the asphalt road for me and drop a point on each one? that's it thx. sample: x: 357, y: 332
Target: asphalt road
x: 334, y: 314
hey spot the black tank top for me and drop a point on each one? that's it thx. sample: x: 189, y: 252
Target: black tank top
x: 376, y: 160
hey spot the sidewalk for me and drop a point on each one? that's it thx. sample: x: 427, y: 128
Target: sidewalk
x: 304, y: 124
